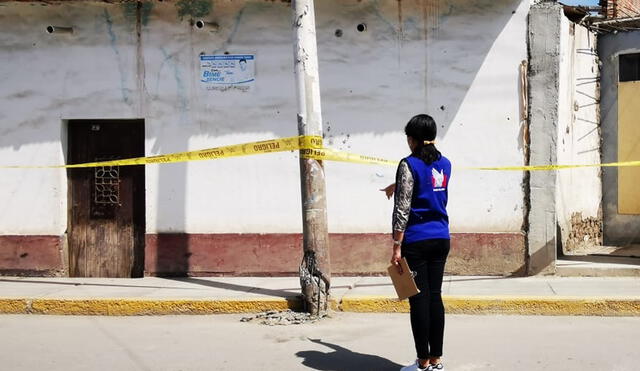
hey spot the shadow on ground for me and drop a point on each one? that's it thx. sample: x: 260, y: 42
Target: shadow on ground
x: 342, y: 359
x: 235, y: 287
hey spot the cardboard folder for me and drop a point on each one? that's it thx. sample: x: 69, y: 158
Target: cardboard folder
x: 403, y: 282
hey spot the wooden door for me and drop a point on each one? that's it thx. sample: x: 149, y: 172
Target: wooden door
x: 629, y: 133
x: 106, y: 204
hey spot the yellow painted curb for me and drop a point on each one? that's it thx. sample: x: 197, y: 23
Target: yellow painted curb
x: 13, y: 306
x: 136, y: 307
x: 521, y: 305
x: 374, y: 304
x: 518, y: 305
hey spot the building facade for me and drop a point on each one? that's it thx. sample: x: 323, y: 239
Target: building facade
x: 89, y: 80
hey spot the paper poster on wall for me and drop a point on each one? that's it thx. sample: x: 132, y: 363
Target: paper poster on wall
x: 227, y: 72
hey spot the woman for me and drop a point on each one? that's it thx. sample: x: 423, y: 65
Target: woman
x: 421, y: 234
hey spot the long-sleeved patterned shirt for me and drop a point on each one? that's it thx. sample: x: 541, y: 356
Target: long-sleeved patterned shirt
x: 402, y: 198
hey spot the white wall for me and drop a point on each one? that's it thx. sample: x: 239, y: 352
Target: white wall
x: 457, y: 60
x: 579, y: 191
x: 45, y: 80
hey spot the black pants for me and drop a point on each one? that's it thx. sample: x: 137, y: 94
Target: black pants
x: 427, y: 259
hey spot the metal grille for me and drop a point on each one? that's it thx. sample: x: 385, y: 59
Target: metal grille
x: 107, y: 185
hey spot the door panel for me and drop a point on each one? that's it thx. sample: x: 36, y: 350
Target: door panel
x: 106, y: 208
x: 628, y: 146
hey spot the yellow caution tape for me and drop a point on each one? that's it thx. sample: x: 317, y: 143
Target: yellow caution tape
x: 245, y: 149
x: 553, y: 167
x: 328, y: 154
x: 309, y: 146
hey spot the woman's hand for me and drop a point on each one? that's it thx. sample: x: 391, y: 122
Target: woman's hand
x: 389, y: 190
x: 396, y: 256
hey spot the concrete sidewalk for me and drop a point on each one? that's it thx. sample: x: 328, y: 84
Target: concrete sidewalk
x: 614, y: 296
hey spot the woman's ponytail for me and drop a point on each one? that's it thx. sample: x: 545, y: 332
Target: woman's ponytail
x: 423, y: 129
x: 428, y: 153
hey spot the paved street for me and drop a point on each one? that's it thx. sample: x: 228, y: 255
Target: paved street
x: 348, y: 341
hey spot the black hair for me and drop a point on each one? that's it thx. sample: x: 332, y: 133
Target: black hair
x: 423, y: 128
x: 242, y: 60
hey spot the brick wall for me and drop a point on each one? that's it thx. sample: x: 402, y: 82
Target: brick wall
x: 622, y: 8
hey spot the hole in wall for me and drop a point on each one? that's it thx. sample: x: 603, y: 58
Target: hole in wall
x: 51, y: 29
x: 361, y: 27
x: 205, y: 25
x: 338, y: 33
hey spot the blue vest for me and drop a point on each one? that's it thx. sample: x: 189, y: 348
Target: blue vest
x: 428, y: 217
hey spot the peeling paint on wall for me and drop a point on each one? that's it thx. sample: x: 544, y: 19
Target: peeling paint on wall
x: 182, y: 104
x: 193, y: 8
x: 234, y: 29
x: 130, y: 10
x: 116, y: 51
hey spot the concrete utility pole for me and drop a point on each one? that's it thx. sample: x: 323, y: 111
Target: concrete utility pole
x: 315, y: 269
